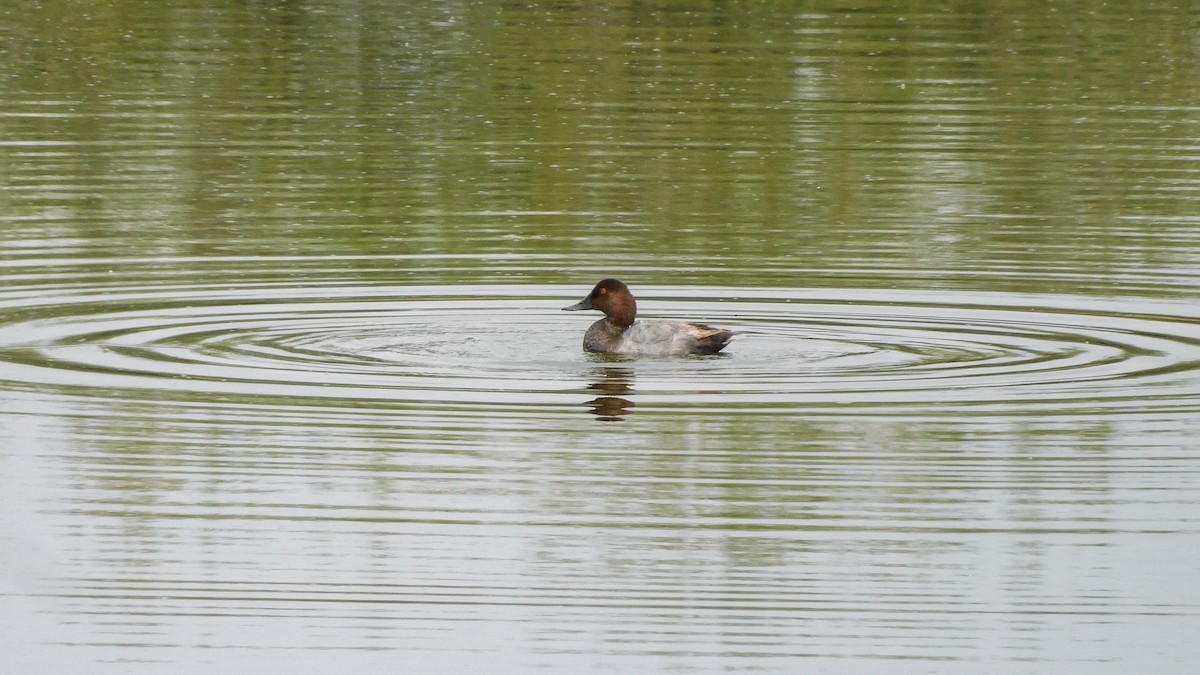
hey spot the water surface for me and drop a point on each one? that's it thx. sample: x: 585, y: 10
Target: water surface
x: 286, y: 385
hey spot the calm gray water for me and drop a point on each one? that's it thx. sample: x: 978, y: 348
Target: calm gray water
x: 285, y: 385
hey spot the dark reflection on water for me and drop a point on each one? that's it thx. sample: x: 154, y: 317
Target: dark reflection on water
x: 284, y: 384
x: 616, y: 385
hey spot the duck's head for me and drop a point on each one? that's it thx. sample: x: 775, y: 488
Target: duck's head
x: 612, y: 297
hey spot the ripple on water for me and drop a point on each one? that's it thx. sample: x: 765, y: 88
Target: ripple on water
x: 821, y: 351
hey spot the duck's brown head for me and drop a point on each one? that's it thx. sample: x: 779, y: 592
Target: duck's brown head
x: 612, y: 297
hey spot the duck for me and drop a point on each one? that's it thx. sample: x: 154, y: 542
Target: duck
x: 619, y: 332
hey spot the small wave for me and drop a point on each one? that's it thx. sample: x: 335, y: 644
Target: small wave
x: 806, y: 349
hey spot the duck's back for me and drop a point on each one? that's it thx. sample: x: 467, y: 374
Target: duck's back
x: 672, y: 338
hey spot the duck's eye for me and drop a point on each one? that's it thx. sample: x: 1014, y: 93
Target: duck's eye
x: 603, y: 291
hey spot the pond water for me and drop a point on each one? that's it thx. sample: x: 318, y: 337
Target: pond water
x: 285, y: 384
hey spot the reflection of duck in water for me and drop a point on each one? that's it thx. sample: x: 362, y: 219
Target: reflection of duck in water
x: 620, y: 333
x: 612, y: 383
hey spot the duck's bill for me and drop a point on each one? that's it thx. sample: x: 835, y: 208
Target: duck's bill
x: 585, y: 303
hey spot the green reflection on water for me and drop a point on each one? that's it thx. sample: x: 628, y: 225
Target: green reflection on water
x: 976, y: 145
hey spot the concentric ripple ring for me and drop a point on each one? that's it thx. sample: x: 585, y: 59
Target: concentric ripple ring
x: 804, y: 349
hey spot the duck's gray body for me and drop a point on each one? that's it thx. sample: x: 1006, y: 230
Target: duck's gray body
x: 655, y: 338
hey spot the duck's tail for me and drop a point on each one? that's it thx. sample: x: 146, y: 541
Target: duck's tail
x: 711, y: 340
